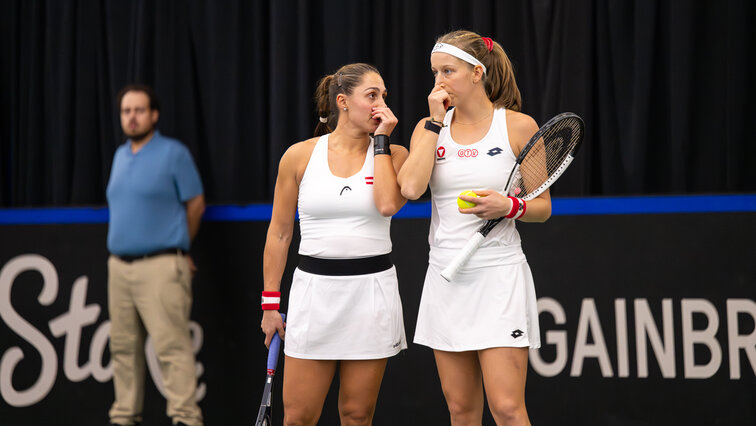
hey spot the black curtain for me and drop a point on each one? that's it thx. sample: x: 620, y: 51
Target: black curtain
x: 665, y: 87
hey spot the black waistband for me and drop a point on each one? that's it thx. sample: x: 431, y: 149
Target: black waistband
x: 131, y: 258
x: 338, y: 267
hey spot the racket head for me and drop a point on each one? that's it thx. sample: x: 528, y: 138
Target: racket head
x: 546, y: 155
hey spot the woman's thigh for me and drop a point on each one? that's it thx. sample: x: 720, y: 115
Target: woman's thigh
x: 504, y: 374
x: 461, y: 382
x: 359, y: 384
x: 305, y: 386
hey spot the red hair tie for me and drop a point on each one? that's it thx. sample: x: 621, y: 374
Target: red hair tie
x: 488, y: 42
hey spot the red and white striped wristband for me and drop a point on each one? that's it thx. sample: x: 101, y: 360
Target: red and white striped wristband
x: 518, y: 208
x: 271, y: 300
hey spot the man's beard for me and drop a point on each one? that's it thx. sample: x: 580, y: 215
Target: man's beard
x: 138, y: 137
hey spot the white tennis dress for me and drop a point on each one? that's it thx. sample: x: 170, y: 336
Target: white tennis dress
x: 342, y: 317
x: 491, y: 302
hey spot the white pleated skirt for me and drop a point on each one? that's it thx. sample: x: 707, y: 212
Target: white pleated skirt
x: 344, y: 317
x: 490, y: 303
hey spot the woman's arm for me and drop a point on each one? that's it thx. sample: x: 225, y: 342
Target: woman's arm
x: 492, y: 204
x: 416, y: 173
x: 521, y: 128
x: 280, y: 232
x: 386, y: 192
x: 414, y: 176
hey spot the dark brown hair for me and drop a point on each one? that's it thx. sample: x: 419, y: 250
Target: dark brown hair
x: 147, y: 90
x: 499, y: 79
x: 329, y: 87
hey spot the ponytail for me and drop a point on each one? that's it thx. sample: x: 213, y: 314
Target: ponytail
x: 500, y: 83
x: 323, y: 106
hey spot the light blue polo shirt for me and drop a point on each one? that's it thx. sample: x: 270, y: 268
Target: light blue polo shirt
x: 146, y: 194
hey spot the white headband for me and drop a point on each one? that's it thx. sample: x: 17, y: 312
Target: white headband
x: 458, y: 53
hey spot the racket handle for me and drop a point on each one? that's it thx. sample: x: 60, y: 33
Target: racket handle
x: 463, y: 256
x: 275, y: 346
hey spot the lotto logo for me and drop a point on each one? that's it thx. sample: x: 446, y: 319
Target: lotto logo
x: 467, y: 153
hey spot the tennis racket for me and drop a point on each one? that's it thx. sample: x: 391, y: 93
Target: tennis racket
x: 540, y: 163
x: 265, y: 414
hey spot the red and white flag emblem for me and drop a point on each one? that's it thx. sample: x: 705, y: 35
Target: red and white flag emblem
x: 368, y: 180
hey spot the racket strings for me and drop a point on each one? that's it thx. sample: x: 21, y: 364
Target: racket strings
x: 546, y: 156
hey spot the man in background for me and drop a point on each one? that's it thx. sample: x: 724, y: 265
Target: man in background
x: 156, y: 202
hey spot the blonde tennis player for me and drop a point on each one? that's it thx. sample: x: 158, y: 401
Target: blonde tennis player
x: 481, y: 324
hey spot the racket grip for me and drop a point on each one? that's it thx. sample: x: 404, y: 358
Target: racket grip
x: 275, y: 346
x: 463, y: 256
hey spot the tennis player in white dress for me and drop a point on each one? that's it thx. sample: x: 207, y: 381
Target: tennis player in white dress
x: 344, y: 309
x: 482, y: 323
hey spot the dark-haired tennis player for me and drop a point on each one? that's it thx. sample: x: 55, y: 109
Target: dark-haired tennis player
x: 481, y: 324
x: 344, y: 308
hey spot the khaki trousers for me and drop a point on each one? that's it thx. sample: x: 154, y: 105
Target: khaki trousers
x: 151, y: 296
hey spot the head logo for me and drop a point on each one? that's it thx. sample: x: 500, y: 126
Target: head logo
x: 346, y: 188
x: 494, y: 151
x: 462, y: 153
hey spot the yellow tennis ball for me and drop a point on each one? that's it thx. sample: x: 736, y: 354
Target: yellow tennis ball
x: 466, y: 204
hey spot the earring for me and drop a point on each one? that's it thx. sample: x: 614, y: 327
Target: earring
x: 345, y: 109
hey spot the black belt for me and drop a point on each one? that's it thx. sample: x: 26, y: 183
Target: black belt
x: 339, y: 267
x: 131, y: 258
